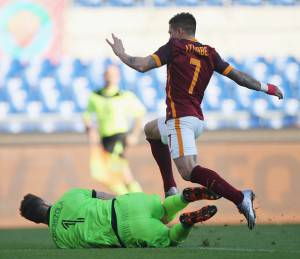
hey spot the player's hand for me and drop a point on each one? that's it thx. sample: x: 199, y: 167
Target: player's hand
x: 274, y: 90
x: 116, y: 45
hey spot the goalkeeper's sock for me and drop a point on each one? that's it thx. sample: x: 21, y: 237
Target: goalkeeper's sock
x: 173, y: 204
x: 134, y: 186
x: 179, y: 233
x: 162, y: 157
x: 211, y: 180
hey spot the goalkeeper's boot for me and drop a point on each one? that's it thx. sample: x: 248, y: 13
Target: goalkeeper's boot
x: 199, y: 193
x: 246, y: 208
x: 205, y: 213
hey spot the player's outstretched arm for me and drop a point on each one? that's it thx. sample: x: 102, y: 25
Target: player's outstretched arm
x: 141, y: 64
x: 246, y: 80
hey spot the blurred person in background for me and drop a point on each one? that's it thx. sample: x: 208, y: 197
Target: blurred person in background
x: 115, y: 111
x: 190, y: 66
x: 84, y: 218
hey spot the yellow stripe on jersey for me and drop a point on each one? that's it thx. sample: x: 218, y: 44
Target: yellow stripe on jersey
x: 170, y: 97
x: 179, y: 137
x: 227, y: 70
x: 156, y: 59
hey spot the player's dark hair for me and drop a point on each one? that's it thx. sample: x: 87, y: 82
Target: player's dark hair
x: 35, y: 209
x: 186, y: 21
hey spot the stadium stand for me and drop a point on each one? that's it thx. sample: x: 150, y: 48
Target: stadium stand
x: 50, y: 97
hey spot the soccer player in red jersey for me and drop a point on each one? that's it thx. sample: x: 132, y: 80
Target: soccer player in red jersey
x: 190, y: 66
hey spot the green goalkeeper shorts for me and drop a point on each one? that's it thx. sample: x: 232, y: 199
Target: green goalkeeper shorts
x: 138, y: 220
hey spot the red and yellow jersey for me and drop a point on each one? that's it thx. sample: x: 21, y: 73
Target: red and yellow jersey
x: 190, y: 66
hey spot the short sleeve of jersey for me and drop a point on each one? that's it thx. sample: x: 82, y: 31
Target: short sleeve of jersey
x: 220, y: 65
x: 163, y: 55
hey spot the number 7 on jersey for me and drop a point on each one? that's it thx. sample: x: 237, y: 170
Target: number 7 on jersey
x: 197, y: 63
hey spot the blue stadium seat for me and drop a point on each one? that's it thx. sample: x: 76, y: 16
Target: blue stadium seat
x: 260, y: 107
x: 64, y: 72
x: 49, y: 94
x: 214, y: 94
x: 95, y: 74
x: 66, y: 108
x: 34, y: 109
x: 47, y: 68
x: 215, y: 2
x: 291, y: 107
x: 16, y: 69
x: 187, y: 2
x: 33, y: 72
x: 129, y: 77
x: 79, y: 68
x: 89, y: 3
x: 146, y: 91
x: 124, y: 3
x: 283, y: 2
x: 248, y: 2
x: 16, y: 94
x: 4, y: 109
x: 162, y: 3
x: 42, y: 87
x: 290, y: 76
x: 228, y: 106
x: 81, y: 92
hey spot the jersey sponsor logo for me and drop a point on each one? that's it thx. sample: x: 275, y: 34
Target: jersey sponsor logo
x: 56, y: 215
x: 67, y: 223
x: 202, y: 51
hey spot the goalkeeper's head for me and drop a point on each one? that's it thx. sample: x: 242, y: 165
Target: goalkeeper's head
x: 35, y: 209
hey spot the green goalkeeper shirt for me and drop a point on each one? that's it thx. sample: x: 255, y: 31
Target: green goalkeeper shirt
x: 79, y: 221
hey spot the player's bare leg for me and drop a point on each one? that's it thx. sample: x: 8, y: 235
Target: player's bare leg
x: 151, y: 130
x: 190, y: 171
x: 162, y: 156
x: 185, y: 166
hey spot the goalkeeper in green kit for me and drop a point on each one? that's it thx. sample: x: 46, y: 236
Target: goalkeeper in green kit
x: 84, y: 218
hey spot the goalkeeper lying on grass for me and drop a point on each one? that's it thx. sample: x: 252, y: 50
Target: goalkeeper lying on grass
x: 89, y: 219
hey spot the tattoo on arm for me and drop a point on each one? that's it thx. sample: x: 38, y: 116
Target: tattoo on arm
x: 151, y: 63
x: 244, y: 79
x: 131, y: 60
x: 141, y: 64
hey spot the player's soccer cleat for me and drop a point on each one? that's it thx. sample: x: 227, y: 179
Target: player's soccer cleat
x: 199, y: 193
x: 171, y: 191
x: 201, y: 215
x: 246, y: 208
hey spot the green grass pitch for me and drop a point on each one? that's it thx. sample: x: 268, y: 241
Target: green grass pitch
x: 266, y: 241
